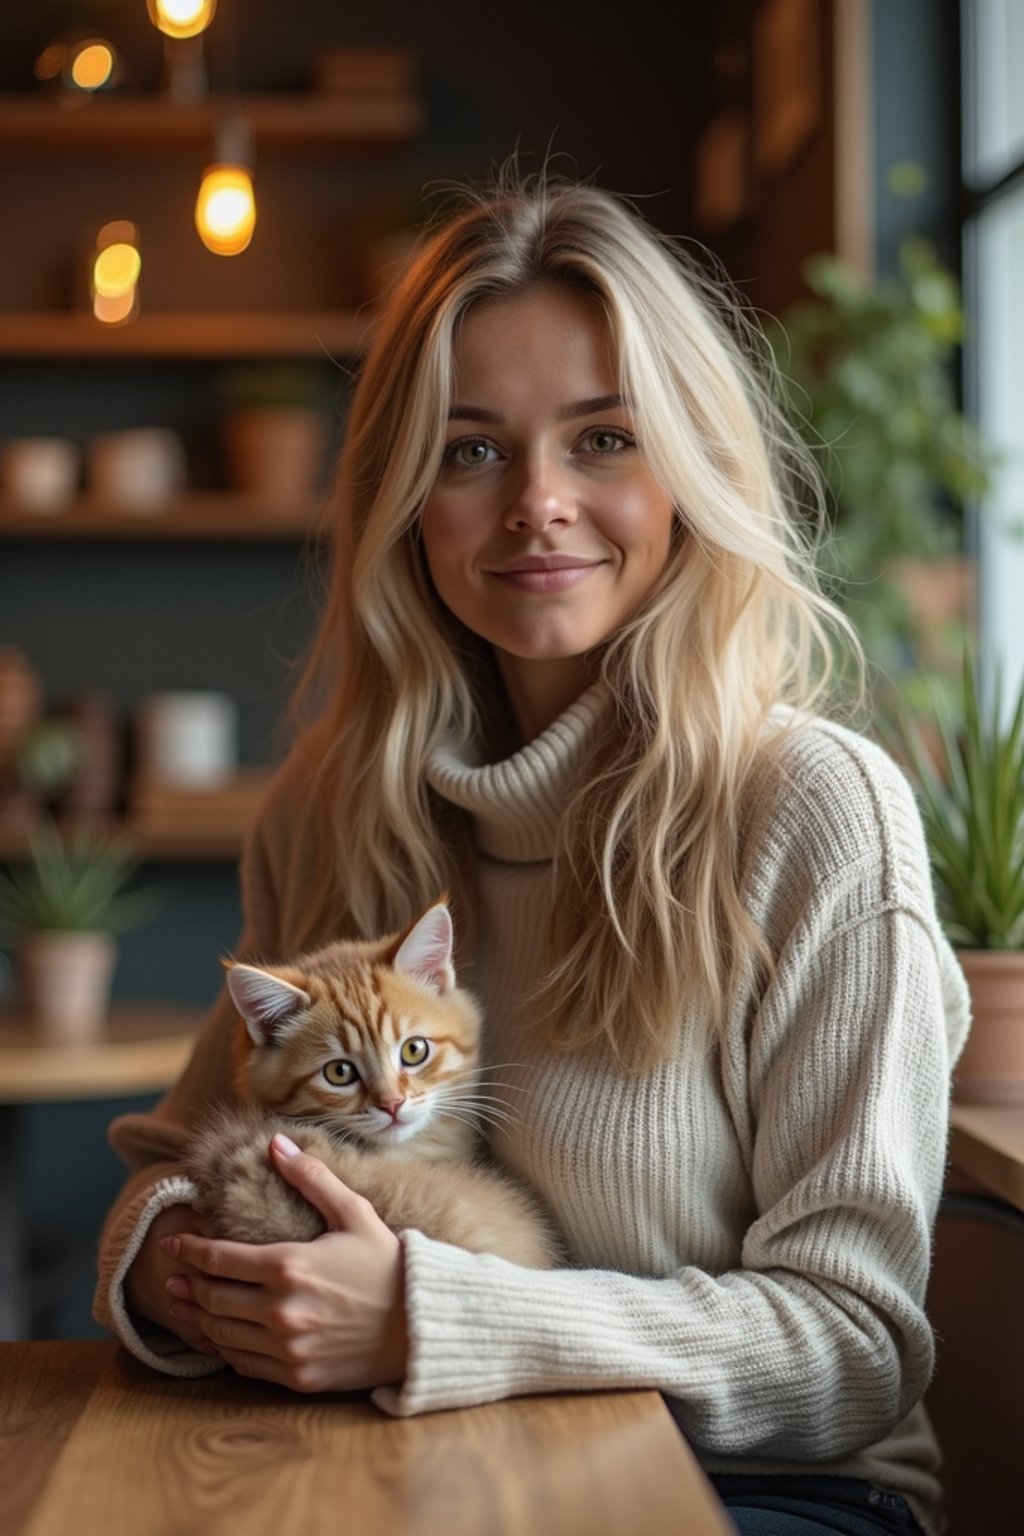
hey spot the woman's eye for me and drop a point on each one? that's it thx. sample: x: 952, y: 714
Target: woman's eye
x: 468, y: 452
x: 414, y: 1052
x: 341, y: 1073
x: 605, y: 440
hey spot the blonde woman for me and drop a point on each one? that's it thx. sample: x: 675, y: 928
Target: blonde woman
x: 571, y: 669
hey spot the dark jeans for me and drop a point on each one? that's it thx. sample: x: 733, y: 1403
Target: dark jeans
x: 812, y: 1506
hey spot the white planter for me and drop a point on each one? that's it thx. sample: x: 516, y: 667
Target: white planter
x: 66, y: 979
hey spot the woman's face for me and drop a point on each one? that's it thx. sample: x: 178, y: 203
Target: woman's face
x: 544, y: 530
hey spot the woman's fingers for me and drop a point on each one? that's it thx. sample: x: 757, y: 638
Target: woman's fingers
x: 232, y: 1333
x: 256, y: 1264
x: 145, y: 1283
x: 341, y: 1207
x: 221, y: 1298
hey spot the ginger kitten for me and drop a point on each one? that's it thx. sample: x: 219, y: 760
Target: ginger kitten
x: 366, y: 1055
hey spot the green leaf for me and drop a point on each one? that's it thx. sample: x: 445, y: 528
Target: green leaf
x: 77, y: 883
x: 972, y: 807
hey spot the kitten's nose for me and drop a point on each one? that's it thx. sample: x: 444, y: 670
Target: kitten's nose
x: 391, y: 1106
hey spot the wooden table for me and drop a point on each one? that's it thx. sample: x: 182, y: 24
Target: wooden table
x: 91, y: 1441
x: 144, y: 1048
x: 987, y: 1144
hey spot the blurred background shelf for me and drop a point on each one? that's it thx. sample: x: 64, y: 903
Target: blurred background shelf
x: 142, y: 123
x: 213, y: 334
x: 190, y: 845
x: 224, y: 515
x: 144, y: 1048
x: 173, y: 825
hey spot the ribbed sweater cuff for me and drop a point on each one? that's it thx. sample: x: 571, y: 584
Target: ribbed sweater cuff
x: 466, y: 1347
x: 156, y: 1347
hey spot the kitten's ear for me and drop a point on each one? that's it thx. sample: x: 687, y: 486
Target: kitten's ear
x: 265, y: 1002
x: 426, y: 950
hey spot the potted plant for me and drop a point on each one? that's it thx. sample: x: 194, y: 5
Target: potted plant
x: 868, y: 368
x: 62, y: 910
x: 972, y: 802
x: 274, y: 433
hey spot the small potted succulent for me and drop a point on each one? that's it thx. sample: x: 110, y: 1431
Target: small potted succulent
x: 274, y: 433
x: 972, y: 802
x: 61, y: 910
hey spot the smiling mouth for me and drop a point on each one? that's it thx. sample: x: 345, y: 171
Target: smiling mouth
x: 550, y: 574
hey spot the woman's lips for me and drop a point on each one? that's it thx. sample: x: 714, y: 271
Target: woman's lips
x: 537, y: 576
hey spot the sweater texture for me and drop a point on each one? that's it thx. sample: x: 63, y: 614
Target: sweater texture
x: 749, y: 1228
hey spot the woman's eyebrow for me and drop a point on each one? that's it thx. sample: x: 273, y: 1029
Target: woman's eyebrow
x: 591, y: 407
x: 475, y: 413
x: 564, y: 413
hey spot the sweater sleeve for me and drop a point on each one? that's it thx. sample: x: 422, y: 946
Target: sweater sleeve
x: 816, y: 1343
x: 151, y: 1144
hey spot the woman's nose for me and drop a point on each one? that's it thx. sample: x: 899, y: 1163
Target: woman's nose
x: 542, y: 497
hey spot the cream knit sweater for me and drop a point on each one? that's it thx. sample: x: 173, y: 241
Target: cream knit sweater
x: 749, y: 1234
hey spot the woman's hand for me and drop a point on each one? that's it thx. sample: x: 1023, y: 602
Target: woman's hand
x: 145, y: 1284
x: 326, y: 1315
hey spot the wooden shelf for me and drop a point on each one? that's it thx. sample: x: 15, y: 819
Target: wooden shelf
x: 140, y: 124
x: 176, y: 827
x: 213, y: 515
x: 213, y: 334
x: 144, y: 1048
x: 192, y: 845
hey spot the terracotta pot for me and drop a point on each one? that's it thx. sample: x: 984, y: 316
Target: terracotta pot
x: 21, y: 697
x: 66, y: 979
x: 275, y: 453
x: 991, y: 1069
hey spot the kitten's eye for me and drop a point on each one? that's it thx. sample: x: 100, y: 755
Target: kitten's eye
x: 341, y: 1073
x: 414, y: 1052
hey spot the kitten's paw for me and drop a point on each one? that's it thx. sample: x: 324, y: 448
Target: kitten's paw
x: 240, y: 1195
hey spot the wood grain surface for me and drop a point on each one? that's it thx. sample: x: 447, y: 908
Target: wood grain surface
x: 93, y: 1442
x: 987, y: 1143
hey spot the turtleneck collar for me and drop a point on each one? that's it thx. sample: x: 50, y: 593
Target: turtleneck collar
x: 516, y: 804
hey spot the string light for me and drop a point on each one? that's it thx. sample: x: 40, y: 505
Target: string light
x: 226, y: 209
x: 181, y: 18
x: 226, y: 206
x: 92, y: 66
x: 79, y: 63
x: 114, y: 274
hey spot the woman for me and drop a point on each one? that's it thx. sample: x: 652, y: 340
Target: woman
x: 571, y: 656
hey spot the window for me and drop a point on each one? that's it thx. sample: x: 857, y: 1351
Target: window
x: 993, y: 167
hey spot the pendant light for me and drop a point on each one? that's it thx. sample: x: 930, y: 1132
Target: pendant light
x: 181, y: 18
x: 226, y: 206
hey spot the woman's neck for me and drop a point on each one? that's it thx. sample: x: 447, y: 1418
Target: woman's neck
x: 540, y: 691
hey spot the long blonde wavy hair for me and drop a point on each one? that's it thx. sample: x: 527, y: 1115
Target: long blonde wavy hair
x: 648, y: 859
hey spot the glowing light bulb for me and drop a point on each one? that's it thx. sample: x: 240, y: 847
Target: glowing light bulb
x: 114, y: 274
x: 92, y: 66
x: 181, y: 18
x: 116, y: 269
x: 226, y: 209
x: 79, y: 64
